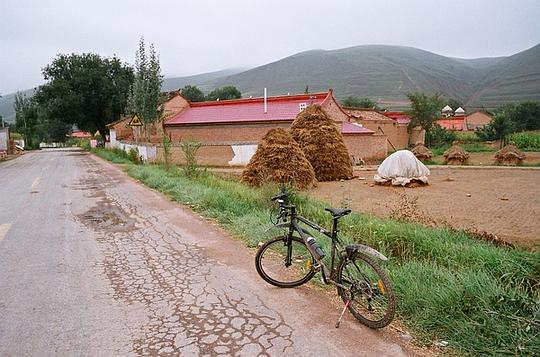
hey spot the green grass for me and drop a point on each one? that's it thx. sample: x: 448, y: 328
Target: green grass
x: 469, y: 147
x: 116, y: 156
x: 482, y: 299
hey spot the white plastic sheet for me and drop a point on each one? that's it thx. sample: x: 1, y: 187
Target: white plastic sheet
x: 401, y: 168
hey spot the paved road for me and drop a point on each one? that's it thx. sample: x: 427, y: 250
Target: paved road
x: 94, y: 264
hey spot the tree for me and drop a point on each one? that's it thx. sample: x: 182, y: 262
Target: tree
x: 27, y: 119
x: 356, y: 102
x: 193, y: 93
x: 86, y: 90
x: 425, y: 111
x: 454, y: 103
x: 524, y: 116
x: 224, y: 93
x: 144, y: 98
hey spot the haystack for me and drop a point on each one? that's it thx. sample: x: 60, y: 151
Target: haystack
x: 456, y: 155
x: 422, y: 152
x: 322, y: 143
x: 279, y: 159
x: 509, y: 155
x: 402, y: 168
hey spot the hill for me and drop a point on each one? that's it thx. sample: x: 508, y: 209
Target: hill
x: 7, y: 110
x: 383, y: 73
x: 200, y: 80
x: 387, y: 73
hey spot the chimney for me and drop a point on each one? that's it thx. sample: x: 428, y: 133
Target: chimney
x: 265, y: 106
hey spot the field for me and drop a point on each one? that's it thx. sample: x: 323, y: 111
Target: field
x: 502, y: 202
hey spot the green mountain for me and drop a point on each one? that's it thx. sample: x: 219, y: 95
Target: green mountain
x: 387, y: 73
x: 383, y: 73
x: 7, y: 109
x: 200, y: 80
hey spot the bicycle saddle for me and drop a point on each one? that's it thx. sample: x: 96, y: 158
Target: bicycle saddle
x: 338, y: 212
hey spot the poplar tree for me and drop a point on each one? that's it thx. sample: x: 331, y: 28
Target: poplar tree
x: 145, y: 92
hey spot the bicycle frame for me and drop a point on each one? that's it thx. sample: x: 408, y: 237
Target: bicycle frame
x: 293, y: 226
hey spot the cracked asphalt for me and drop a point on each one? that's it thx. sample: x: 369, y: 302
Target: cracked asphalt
x: 95, y: 264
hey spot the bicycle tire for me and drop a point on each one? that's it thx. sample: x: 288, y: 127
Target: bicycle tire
x: 361, y: 290
x: 270, y: 263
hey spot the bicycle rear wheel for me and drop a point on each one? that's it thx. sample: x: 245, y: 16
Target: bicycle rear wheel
x: 272, y: 266
x: 367, y: 290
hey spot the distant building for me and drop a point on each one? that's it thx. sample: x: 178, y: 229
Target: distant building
x: 231, y: 129
x: 478, y: 119
x: 392, y: 124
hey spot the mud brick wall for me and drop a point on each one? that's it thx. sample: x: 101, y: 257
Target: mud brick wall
x: 366, y: 147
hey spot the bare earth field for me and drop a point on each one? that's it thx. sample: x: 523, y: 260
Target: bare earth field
x: 504, y: 202
x: 488, y: 158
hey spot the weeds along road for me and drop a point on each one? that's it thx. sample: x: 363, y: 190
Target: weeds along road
x: 95, y: 264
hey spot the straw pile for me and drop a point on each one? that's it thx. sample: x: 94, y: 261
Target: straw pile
x: 322, y: 143
x: 456, y: 155
x: 509, y: 155
x: 421, y: 152
x: 279, y: 159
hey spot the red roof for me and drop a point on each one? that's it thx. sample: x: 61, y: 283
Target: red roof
x: 399, y: 117
x: 282, y: 108
x: 81, y: 134
x: 348, y: 128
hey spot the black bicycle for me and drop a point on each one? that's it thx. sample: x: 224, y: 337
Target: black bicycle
x: 293, y: 259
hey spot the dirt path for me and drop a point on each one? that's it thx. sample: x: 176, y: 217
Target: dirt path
x: 503, y: 202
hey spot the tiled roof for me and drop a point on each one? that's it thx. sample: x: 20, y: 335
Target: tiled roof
x: 366, y: 114
x: 282, y: 108
x: 349, y: 128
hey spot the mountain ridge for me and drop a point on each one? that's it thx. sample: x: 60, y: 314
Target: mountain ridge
x: 382, y: 72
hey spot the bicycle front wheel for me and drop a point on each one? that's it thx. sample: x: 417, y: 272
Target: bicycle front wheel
x: 285, y: 263
x: 367, y: 291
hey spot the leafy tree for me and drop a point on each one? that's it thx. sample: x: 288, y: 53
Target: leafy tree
x: 86, y: 90
x: 425, y: 110
x: 356, y: 102
x: 224, y: 93
x: 524, y: 116
x: 439, y: 136
x: 193, y: 93
x: 27, y: 119
x: 144, y: 98
x: 454, y: 103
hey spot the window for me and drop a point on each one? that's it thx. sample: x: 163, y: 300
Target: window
x: 302, y: 106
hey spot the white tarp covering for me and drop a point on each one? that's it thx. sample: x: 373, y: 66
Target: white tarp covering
x: 242, y: 154
x: 401, y: 168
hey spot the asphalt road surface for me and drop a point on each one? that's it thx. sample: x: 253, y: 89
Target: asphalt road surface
x: 95, y: 264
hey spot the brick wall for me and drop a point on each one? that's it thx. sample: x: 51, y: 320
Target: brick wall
x: 238, y: 133
x: 332, y: 109
x: 366, y: 147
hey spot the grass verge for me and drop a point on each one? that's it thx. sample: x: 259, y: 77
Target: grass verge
x: 482, y: 299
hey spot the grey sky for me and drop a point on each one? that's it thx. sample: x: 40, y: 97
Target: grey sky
x: 201, y: 36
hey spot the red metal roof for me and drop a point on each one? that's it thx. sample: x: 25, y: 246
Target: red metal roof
x: 399, y: 117
x: 282, y: 108
x: 81, y: 134
x: 348, y: 128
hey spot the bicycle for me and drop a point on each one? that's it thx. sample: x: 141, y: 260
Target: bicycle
x: 291, y: 260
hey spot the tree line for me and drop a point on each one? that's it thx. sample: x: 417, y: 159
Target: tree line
x: 91, y: 91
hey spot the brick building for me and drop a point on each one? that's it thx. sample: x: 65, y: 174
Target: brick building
x: 230, y: 130
x: 392, y: 124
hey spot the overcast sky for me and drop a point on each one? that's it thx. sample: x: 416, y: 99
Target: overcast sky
x: 199, y: 36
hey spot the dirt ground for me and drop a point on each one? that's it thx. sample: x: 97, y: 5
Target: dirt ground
x: 504, y: 202
x: 488, y: 158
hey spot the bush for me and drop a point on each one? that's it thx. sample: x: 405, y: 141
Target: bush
x: 133, y: 155
x: 439, y: 136
x: 85, y: 144
x: 190, y: 149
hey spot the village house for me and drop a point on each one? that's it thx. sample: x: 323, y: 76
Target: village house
x: 230, y: 130
x: 460, y: 121
x: 392, y: 124
x: 478, y: 119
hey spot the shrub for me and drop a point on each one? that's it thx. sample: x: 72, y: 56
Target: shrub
x: 439, y: 136
x: 190, y: 149
x: 133, y: 155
